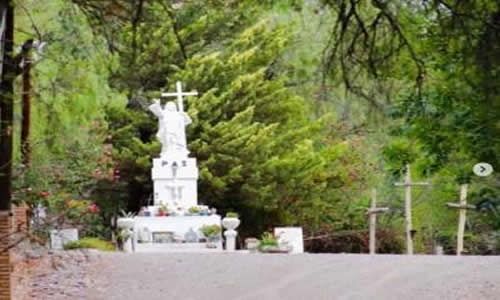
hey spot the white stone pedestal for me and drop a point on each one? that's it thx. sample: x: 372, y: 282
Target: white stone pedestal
x: 168, y: 234
x: 128, y: 245
x: 292, y: 236
x: 59, y: 238
x: 175, y: 181
x: 127, y: 225
x: 230, y: 236
x: 230, y: 223
x: 175, y: 177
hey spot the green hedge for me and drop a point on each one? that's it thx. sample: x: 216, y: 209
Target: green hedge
x: 90, y: 243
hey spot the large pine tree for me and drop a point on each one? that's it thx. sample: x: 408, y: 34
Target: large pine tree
x: 259, y: 151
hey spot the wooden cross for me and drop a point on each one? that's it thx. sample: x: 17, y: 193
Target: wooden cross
x: 179, y: 94
x: 372, y: 213
x: 408, y: 220
x: 462, y: 207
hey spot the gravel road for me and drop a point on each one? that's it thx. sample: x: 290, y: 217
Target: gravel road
x: 59, y: 275
x: 307, y: 276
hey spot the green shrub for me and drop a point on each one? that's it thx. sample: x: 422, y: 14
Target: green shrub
x: 194, y: 210
x: 268, y: 239
x: 90, y: 243
x: 210, y: 230
x: 232, y: 215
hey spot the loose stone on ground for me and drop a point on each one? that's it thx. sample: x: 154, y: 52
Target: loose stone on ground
x: 54, y: 276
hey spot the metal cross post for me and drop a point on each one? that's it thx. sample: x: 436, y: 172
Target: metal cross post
x: 372, y: 213
x: 463, y: 207
x: 408, y: 219
x: 179, y: 94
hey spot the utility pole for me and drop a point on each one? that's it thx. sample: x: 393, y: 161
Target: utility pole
x: 26, y: 110
x: 408, y: 218
x: 7, y: 108
x: 6, y: 140
x: 462, y: 207
x: 372, y: 213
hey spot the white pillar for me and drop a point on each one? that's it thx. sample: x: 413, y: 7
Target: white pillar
x: 230, y: 224
x: 230, y: 240
x: 128, y: 244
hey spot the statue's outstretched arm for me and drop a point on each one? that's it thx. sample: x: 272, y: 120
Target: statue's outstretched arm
x: 156, y: 109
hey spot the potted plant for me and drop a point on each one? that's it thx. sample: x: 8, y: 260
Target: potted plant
x: 194, y: 211
x: 232, y: 215
x: 126, y: 220
x: 204, y: 211
x: 269, y: 243
x: 125, y: 226
x: 122, y: 236
x: 212, y: 234
x: 163, y: 210
x: 252, y: 244
x: 127, y: 215
x: 231, y: 221
x: 145, y: 212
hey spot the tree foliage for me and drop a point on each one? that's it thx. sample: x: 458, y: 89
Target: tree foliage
x: 259, y: 152
x: 304, y: 107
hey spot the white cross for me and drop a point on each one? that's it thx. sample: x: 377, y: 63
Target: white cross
x: 179, y: 94
x: 176, y: 191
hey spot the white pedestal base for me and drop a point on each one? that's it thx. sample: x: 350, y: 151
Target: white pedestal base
x: 168, y: 234
x: 128, y: 246
x: 230, y: 240
x: 292, y: 236
x: 177, y: 248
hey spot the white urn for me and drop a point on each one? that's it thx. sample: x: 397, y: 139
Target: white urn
x: 230, y: 223
x: 125, y: 223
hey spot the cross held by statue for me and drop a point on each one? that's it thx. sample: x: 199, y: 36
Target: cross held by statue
x: 180, y: 96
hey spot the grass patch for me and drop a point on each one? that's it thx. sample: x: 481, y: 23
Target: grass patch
x: 90, y: 243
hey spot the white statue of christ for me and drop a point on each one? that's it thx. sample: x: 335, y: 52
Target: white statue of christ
x: 171, y: 127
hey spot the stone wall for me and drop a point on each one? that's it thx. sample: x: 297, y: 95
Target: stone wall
x: 5, y: 268
x: 21, y: 217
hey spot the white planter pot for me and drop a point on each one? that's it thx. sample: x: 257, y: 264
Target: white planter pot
x: 252, y: 244
x: 125, y: 223
x: 230, y: 223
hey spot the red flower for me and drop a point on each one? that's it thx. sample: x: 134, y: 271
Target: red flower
x: 93, y: 208
x: 44, y: 194
x: 97, y: 173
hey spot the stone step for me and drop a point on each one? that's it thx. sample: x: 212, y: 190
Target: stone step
x: 176, y: 248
